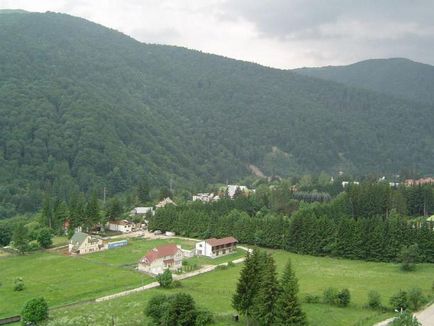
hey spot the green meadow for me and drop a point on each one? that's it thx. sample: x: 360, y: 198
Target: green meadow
x: 214, y: 291
x: 64, y: 279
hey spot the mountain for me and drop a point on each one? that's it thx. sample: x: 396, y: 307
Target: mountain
x: 85, y: 107
x: 398, y: 77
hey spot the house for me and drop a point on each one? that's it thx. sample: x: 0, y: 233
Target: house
x: 216, y: 247
x: 142, y: 211
x: 121, y: 226
x: 83, y: 243
x: 205, y: 197
x: 419, y: 182
x: 232, y: 189
x: 164, y: 202
x: 346, y: 183
x: 164, y: 257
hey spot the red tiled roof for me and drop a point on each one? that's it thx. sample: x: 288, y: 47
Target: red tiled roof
x: 213, y: 242
x: 160, y: 252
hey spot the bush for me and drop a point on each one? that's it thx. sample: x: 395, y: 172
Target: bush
x: 344, y: 298
x: 409, y: 256
x: 416, y: 299
x: 165, y: 279
x: 204, y: 317
x: 44, y: 237
x: 405, y: 319
x: 34, y: 311
x: 399, y: 301
x: 330, y: 296
x: 312, y: 298
x: 374, y: 300
x: 176, y: 284
x: 18, y: 284
x: 231, y: 264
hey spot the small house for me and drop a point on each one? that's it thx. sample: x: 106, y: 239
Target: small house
x: 83, y: 243
x: 216, y: 247
x: 142, y: 211
x: 163, y: 257
x: 123, y: 226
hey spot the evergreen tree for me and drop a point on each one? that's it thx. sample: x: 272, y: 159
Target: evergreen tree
x: 143, y: 191
x: 47, y: 212
x: 288, y: 308
x: 248, y: 284
x: 92, y: 211
x: 264, y: 303
x: 21, y: 238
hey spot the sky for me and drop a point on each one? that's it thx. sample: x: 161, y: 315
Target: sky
x: 276, y: 33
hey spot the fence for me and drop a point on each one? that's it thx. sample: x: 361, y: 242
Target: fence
x: 9, y: 320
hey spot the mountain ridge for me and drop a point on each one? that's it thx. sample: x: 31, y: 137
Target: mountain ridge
x: 88, y: 107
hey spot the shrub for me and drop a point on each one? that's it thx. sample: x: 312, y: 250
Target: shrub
x: 34, y: 311
x: 312, y: 298
x: 374, y: 300
x: 399, y: 301
x: 176, y: 284
x: 18, y: 284
x: 231, y: 264
x: 204, y: 317
x: 344, y: 298
x: 416, y: 299
x: 330, y: 296
x: 409, y: 256
x: 405, y: 319
x: 165, y: 279
x: 44, y: 237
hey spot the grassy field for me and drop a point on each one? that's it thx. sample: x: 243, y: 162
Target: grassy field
x: 64, y: 279
x: 214, y: 291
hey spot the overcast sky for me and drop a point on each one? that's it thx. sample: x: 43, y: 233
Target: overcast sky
x: 277, y: 33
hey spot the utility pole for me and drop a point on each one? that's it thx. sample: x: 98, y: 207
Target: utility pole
x: 171, y: 186
x: 104, y: 195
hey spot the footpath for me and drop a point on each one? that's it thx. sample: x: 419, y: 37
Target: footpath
x: 202, y: 270
x: 425, y: 317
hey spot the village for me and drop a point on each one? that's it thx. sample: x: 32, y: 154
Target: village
x: 168, y: 256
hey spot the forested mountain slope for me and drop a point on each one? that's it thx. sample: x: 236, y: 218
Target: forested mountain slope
x: 397, y: 77
x: 83, y: 107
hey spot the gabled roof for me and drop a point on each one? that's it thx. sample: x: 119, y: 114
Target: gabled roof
x: 160, y: 252
x: 213, y: 242
x: 78, y: 238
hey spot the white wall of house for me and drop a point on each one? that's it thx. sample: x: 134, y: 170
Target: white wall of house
x: 158, y: 266
x: 120, y: 227
x: 87, y: 246
x: 203, y: 249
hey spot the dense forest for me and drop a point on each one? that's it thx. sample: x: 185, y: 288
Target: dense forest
x: 85, y: 108
x: 398, y: 77
x: 368, y: 221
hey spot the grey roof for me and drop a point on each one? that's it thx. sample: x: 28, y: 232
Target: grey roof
x: 78, y: 238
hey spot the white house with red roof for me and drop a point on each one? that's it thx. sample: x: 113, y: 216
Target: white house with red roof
x: 163, y: 257
x: 216, y: 247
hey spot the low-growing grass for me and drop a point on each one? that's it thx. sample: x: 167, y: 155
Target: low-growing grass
x: 214, y: 291
x: 65, y: 279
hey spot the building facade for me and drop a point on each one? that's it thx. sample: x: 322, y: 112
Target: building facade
x: 216, y: 247
x: 161, y: 258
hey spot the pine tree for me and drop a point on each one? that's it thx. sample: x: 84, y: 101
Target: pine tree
x: 264, y: 308
x: 47, y: 212
x: 143, y: 191
x: 248, y: 284
x: 288, y: 308
x: 92, y: 211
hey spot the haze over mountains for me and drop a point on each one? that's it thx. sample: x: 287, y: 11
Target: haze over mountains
x: 85, y: 107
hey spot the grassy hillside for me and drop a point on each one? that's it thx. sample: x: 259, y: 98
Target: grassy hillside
x: 85, y: 107
x: 398, y: 77
x: 214, y: 291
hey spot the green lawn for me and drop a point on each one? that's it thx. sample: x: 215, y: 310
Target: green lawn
x: 214, y: 291
x: 129, y: 255
x: 64, y: 279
